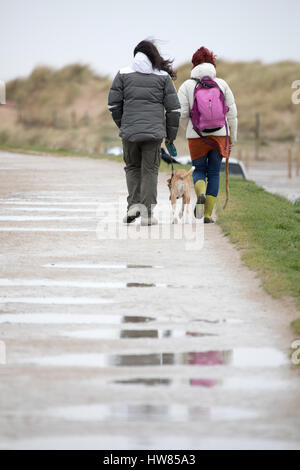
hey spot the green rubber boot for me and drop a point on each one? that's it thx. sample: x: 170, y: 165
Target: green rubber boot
x: 200, y: 188
x: 208, y: 208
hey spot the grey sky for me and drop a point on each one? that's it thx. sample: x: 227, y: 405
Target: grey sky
x: 103, y: 33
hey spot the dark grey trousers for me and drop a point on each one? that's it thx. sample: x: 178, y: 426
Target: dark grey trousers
x: 142, y: 161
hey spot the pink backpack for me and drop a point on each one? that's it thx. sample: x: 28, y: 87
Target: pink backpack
x: 208, y: 113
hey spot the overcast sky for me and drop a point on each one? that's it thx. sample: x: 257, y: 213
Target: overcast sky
x: 103, y: 33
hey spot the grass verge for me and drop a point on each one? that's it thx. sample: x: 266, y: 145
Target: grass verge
x: 266, y: 227
x: 295, y: 324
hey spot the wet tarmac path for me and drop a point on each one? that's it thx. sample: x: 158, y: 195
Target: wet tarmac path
x: 131, y: 343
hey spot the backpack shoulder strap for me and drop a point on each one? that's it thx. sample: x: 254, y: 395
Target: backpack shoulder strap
x: 198, y: 82
x: 206, y: 82
x: 210, y: 83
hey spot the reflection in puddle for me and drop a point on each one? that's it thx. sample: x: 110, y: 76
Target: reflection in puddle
x: 207, y: 358
x: 239, y: 357
x: 142, y: 266
x: 207, y: 383
x: 144, y: 284
x: 149, y: 412
x: 99, y: 266
x: 144, y: 381
x: 74, y: 318
x: 142, y: 319
x: 198, y: 334
x: 216, y: 321
x: 133, y: 334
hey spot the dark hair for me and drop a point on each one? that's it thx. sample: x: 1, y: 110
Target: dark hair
x: 158, y: 62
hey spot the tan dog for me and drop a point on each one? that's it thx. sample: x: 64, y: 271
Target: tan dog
x: 180, y: 186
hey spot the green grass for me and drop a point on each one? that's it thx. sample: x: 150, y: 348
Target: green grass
x: 266, y: 227
x: 295, y: 324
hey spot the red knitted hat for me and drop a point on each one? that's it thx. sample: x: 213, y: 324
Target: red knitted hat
x: 203, y: 55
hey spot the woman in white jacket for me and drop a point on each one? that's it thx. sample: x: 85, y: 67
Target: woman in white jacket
x: 207, y: 153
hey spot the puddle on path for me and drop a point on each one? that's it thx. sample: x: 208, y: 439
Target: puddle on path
x: 51, y: 209
x: 56, y: 300
x: 255, y: 383
x: 75, y: 318
x: 110, y: 334
x: 207, y: 358
x: 79, y: 284
x: 26, y: 202
x: 259, y: 357
x: 88, y: 284
x: 248, y: 384
x: 61, y: 197
x: 238, y: 357
x: 44, y: 229
x: 99, y: 266
x: 149, y: 412
x: 97, y: 285
x: 39, y: 218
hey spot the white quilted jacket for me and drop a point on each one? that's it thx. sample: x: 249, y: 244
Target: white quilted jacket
x: 186, y: 98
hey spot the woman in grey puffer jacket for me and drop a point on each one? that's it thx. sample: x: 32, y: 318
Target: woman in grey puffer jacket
x: 144, y: 105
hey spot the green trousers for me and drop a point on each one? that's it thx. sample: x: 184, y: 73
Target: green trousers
x: 142, y: 160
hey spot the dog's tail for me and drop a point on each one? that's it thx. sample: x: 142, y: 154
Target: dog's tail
x: 188, y: 173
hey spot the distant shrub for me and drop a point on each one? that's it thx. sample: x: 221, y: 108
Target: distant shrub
x: 4, y: 136
x: 46, y: 99
x: 77, y: 73
x: 39, y: 77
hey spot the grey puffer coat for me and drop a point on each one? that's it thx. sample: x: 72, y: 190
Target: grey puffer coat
x: 144, y: 103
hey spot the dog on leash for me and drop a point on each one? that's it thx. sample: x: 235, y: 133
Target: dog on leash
x: 180, y: 187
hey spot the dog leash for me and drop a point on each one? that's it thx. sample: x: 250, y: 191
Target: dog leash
x: 227, y: 182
